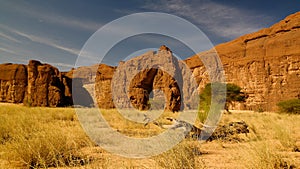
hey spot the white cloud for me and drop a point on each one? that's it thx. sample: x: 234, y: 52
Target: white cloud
x: 44, y: 15
x: 225, y: 21
x: 7, y: 51
x: 44, y: 41
x: 9, y: 37
x: 66, y: 49
x: 66, y: 21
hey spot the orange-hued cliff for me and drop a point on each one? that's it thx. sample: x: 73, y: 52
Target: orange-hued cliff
x: 266, y: 64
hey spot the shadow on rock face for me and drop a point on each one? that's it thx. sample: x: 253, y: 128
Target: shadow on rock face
x: 81, y: 97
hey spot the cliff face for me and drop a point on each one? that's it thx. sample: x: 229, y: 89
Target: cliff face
x: 265, y: 64
x: 13, y: 82
x: 103, y: 93
x: 45, y: 87
x: 36, y: 84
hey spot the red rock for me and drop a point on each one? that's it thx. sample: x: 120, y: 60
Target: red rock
x: 265, y: 64
x: 13, y: 82
x: 44, y: 85
x: 103, y: 94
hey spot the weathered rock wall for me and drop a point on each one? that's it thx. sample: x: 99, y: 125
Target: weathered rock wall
x: 103, y: 93
x: 36, y: 84
x: 45, y: 86
x: 265, y: 64
x: 13, y: 83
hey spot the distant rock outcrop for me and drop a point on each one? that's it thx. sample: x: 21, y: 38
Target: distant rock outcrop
x: 83, y: 80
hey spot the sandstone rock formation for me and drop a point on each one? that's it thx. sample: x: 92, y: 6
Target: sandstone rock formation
x: 67, y: 88
x: 103, y: 93
x: 13, y: 82
x: 36, y: 84
x: 265, y: 64
x: 86, y: 73
x: 83, y: 80
x: 45, y: 87
x: 135, y: 80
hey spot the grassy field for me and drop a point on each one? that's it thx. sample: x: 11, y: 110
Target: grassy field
x: 33, y: 137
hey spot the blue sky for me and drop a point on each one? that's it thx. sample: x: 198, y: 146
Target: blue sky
x: 55, y: 31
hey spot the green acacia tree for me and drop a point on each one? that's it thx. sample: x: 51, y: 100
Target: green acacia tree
x: 233, y: 94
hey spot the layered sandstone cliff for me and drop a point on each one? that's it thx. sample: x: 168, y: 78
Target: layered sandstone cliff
x: 265, y: 64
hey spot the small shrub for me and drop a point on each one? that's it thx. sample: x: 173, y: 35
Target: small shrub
x: 181, y: 156
x: 283, y: 134
x: 5, y: 134
x: 290, y: 106
x: 262, y: 155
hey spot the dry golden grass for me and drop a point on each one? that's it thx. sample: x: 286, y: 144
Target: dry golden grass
x: 41, y: 137
x: 53, y: 137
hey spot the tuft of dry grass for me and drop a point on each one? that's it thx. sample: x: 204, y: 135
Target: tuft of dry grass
x: 272, y: 139
x: 182, y: 155
x: 41, y: 137
x: 262, y: 155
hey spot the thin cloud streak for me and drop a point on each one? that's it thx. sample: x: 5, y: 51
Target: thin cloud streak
x: 45, y: 41
x: 61, y: 20
x: 225, y: 21
x: 8, y: 51
x: 67, y: 21
x: 9, y: 37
